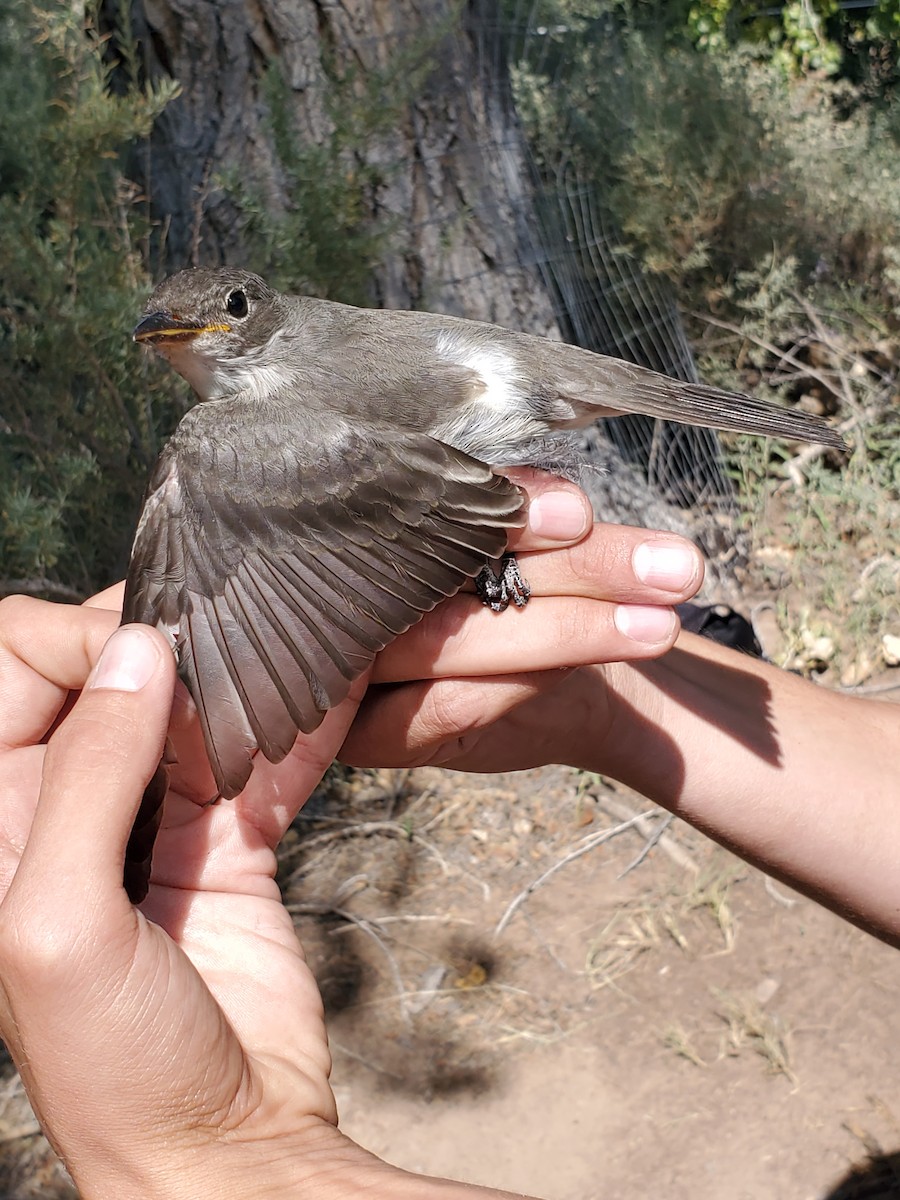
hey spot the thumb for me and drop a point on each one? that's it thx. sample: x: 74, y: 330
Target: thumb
x: 96, y: 768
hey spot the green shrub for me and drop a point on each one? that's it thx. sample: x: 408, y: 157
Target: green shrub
x: 81, y: 416
x: 711, y: 160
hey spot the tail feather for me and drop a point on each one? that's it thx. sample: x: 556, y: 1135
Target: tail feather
x: 595, y: 386
x: 139, y: 854
x: 699, y: 404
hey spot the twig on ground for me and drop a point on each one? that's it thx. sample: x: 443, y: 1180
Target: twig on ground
x: 391, y: 829
x: 29, y: 1129
x: 870, y: 689
x: 779, y: 897
x: 357, y: 829
x: 425, y: 794
x: 366, y: 1062
x: 440, y: 816
x: 653, y: 840
x: 589, y: 844
x: 624, y: 812
x: 797, y: 464
x: 396, y: 919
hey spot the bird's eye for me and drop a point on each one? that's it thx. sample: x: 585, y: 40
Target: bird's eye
x: 237, y: 303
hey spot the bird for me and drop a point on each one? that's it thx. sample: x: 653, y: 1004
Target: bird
x: 341, y: 475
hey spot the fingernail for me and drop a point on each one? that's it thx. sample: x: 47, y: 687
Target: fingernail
x: 558, y: 516
x: 671, y: 566
x: 126, y: 662
x: 644, y: 624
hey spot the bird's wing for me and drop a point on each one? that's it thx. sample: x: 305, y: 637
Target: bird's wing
x: 280, y: 565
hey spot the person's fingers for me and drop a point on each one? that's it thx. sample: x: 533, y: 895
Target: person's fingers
x: 616, y: 562
x: 462, y: 637
x: 620, y: 563
x: 97, y: 765
x: 559, y: 513
x: 46, y: 651
x: 435, y: 721
x: 109, y: 598
x: 276, y: 791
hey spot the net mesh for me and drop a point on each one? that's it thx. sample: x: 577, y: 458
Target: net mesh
x: 649, y: 471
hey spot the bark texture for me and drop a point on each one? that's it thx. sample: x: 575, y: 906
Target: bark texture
x: 450, y: 173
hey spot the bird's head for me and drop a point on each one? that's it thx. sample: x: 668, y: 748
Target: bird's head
x: 218, y: 327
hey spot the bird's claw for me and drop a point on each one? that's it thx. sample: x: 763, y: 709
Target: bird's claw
x: 496, y: 588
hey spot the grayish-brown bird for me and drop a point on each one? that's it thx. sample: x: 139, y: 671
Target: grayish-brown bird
x: 337, y: 483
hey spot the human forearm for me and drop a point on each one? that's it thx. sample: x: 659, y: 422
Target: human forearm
x: 795, y: 778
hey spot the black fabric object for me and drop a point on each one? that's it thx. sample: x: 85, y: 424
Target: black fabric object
x: 720, y: 623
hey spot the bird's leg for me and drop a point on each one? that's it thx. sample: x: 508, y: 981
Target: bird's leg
x: 496, y: 588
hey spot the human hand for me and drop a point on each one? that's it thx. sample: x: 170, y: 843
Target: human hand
x: 144, y: 1044
x: 178, y: 1049
x: 468, y: 690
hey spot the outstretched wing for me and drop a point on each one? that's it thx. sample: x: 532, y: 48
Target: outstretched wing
x: 281, y: 560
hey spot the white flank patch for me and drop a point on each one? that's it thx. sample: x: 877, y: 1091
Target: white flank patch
x: 497, y: 368
x: 496, y: 423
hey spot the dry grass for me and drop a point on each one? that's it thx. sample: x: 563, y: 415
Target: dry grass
x: 748, y: 1025
x: 824, y: 525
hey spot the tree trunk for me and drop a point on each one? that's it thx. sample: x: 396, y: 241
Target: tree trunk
x: 450, y: 174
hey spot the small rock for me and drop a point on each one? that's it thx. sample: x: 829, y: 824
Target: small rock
x: 858, y: 670
x: 766, y: 989
x: 818, y: 645
x: 809, y: 402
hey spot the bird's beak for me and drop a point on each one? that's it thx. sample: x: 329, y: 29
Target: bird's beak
x: 168, y: 327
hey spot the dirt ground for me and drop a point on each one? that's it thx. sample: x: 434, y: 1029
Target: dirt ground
x: 686, y: 1029
x: 658, y: 1021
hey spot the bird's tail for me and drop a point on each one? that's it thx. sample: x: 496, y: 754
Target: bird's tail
x: 699, y: 404
x: 594, y: 386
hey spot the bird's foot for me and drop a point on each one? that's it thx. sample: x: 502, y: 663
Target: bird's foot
x: 496, y: 588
